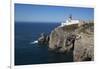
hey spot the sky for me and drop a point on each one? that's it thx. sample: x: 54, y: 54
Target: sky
x: 47, y: 13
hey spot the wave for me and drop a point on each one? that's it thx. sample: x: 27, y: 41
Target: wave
x: 34, y: 42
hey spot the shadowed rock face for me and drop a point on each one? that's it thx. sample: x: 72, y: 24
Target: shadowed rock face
x: 75, y: 39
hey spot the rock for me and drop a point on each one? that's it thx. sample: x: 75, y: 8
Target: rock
x: 84, y: 48
x: 43, y: 39
x: 77, y: 39
x: 62, y: 38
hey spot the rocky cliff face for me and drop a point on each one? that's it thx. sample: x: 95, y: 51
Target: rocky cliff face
x: 78, y: 39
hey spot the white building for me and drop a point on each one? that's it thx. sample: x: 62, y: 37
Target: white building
x: 70, y: 21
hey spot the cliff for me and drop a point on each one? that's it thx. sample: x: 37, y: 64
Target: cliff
x: 77, y: 39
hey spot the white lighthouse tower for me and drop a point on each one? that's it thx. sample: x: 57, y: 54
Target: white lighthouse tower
x: 70, y: 21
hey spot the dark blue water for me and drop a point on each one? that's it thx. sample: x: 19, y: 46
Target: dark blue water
x: 26, y: 53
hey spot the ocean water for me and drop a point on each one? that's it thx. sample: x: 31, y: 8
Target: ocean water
x: 27, y: 53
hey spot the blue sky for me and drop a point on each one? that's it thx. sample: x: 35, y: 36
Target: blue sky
x: 46, y: 13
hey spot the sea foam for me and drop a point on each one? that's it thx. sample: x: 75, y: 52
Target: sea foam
x: 34, y: 42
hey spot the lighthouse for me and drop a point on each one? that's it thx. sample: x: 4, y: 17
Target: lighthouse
x: 70, y: 21
x: 70, y: 18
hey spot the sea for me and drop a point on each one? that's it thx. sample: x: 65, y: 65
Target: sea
x: 27, y: 53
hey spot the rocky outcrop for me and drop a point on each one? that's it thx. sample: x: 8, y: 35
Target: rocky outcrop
x: 43, y: 39
x: 75, y: 38
x: 62, y: 38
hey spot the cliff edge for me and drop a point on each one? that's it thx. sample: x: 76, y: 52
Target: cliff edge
x: 75, y: 38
